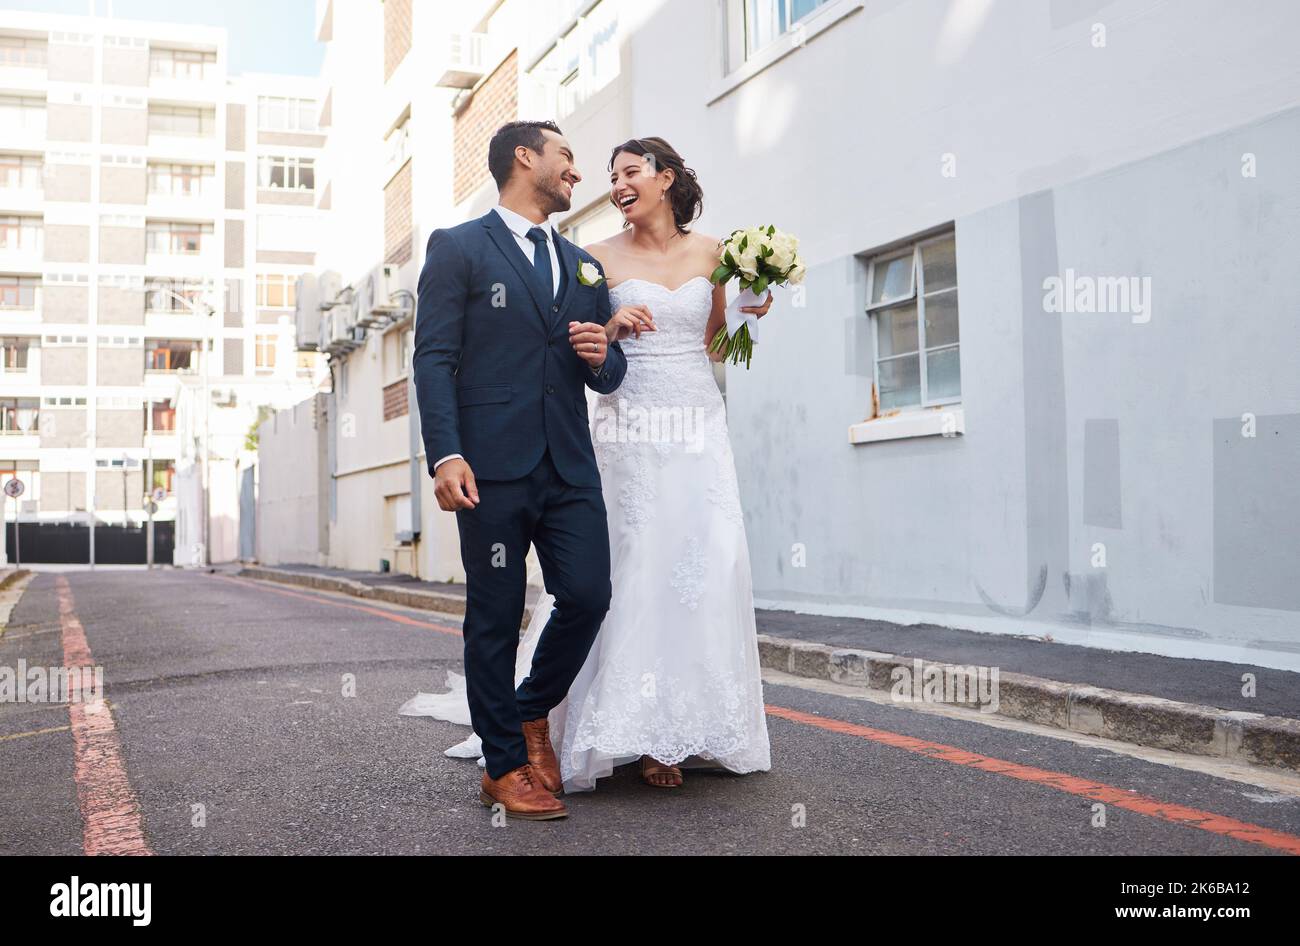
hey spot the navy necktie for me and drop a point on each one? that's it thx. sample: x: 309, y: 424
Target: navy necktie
x: 542, y: 262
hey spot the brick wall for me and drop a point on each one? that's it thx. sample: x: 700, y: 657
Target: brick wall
x: 234, y: 127
x: 398, y: 235
x: 62, y: 303
x: 232, y: 354
x: 67, y: 243
x: 397, y: 34
x: 234, y: 185
x: 123, y: 185
x: 67, y: 182
x: 234, y: 258
x: 395, y: 400
x: 495, y: 103
x: 63, y: 490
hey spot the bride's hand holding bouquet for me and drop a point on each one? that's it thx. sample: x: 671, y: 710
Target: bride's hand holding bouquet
x: 760, y: 258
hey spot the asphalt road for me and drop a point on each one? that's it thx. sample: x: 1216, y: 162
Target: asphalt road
x: 234, y: 736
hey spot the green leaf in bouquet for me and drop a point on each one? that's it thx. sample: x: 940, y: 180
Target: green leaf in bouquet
x: 721, y: 274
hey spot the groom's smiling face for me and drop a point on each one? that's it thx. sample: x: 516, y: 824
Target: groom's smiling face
x: 554, y: 173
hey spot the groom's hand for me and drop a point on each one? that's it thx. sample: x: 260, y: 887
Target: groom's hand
x: 589, y: 341
x: 454, y: 486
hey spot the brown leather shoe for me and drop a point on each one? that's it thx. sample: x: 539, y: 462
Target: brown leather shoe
x: 522, y: 794
x: 537, y: 736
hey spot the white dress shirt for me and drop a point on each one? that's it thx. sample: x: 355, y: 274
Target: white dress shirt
x: 519, y: 226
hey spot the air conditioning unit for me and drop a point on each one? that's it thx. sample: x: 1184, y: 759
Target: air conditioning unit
x: 328, y: 288
x: 378, y: 305
x: 342, y: 333
x: 306, y: 313
x: 468, y: 58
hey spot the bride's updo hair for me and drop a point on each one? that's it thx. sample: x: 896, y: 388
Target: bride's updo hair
x: 686, y: 195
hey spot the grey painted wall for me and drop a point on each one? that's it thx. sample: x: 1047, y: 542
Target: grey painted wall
x: 1087, y: 434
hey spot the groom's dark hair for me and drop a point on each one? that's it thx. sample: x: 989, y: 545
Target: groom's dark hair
x: 501, y: 149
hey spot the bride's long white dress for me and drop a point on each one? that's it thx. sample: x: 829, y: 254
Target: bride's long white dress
x: 674, y: 672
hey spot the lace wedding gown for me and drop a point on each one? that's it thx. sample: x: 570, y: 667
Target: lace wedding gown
x: 674, y: 672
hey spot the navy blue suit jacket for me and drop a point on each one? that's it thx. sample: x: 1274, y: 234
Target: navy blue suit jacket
x: 495, y: 376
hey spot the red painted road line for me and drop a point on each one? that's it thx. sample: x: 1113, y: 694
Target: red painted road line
x: 377, y: 612
x: 109, y: 810
x: 1085, y: 788
x: 1177, y: 814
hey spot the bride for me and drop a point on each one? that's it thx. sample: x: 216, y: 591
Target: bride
x: 673, y: 679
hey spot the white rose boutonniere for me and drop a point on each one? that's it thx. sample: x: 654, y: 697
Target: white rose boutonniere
x: 589, y: 275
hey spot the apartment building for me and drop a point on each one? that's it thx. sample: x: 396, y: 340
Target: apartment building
x: 357, y: 306
x: 155, y: 213
x: 410, y: 101
x: 1039, y: 379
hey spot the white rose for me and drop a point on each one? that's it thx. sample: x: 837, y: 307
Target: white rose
x: 783, y: 252
x: 797, y: 274
x: 747, y: 262
x: 588, y: 274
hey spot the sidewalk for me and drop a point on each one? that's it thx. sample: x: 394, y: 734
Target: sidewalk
x: 1165, y: 702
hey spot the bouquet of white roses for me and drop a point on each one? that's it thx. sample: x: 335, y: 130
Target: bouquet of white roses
x: 761, y: 257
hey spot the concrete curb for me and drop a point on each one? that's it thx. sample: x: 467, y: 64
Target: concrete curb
x: 395, y: 594
x: 1094, y: 711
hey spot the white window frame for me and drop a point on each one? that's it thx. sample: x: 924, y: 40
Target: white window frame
x: 292, y: 165
x: 163, y: 62
x: 916, y: 295
x: 265, y: 345
x: 295, y: 107
x: 207, y: 120
x: 163, y: 178
x: 264, y: 282
x: 739, y: 66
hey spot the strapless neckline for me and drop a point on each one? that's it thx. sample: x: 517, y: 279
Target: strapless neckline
x: 648, y: 282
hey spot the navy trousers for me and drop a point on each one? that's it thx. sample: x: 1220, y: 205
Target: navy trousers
x: 567, y: 525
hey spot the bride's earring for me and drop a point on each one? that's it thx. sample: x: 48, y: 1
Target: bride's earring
x: 662, y: 194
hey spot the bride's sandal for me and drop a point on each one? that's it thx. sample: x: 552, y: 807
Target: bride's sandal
x: 659, y: 775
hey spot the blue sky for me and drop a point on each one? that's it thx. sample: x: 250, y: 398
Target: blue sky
x: 265, y: 35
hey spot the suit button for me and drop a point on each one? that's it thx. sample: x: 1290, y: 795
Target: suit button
x: 550, y: 389
x: 555, y: 308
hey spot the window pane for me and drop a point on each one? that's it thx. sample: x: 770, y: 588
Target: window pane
x: 893, y: 279
x: 939, y: 261
x: 943, y: 374
x: 900, y: 383
x: 941, y: 320
x: 801, y: 8
x: 897, y: 332
x: 276, y: 112
x: 764, y: 22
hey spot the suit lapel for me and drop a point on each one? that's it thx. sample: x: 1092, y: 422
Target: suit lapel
x: 569, y: 277
x: 505, y: 241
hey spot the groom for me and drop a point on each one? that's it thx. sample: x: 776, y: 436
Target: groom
x: 509, y: 328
